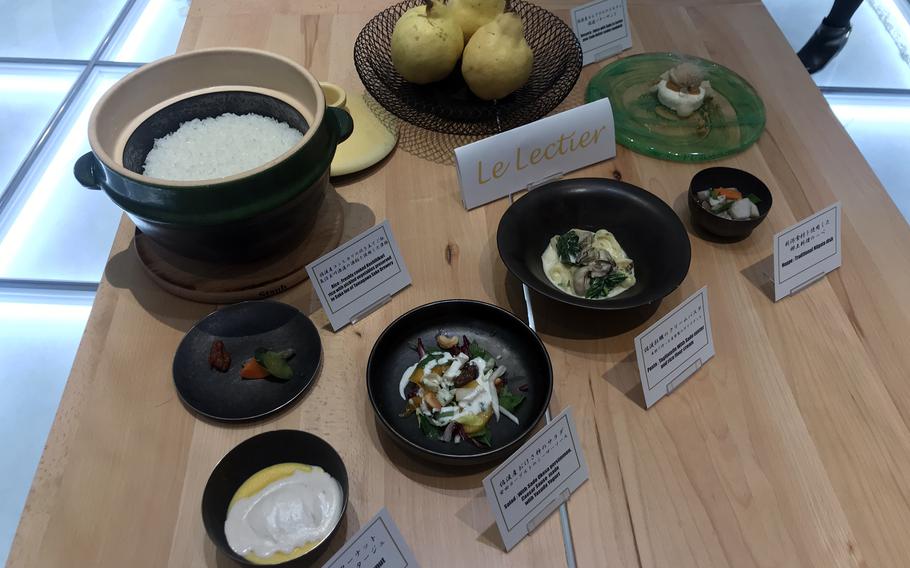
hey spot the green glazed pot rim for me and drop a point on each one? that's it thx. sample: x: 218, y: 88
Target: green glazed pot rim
x: 110, y: 99
x: 315, y: 172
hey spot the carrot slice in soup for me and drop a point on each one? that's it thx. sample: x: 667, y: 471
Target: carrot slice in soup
x: 730, y: 193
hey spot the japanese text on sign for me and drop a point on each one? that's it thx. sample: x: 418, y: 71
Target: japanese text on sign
x: 807, y: 251
x: 536, y: 479
x: 379, y: 544
x: 358, y: 274
x: 350, y: 267
x: 602, y: 29
x: 674, y: 347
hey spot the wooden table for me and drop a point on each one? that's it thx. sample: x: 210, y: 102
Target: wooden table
x: 790, y: 448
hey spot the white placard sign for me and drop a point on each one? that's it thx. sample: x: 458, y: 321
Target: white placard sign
x: 602, y: 29
x: 359, y: 276
x: 672, y: 349
x: 378, y: 544
x: 536, y: 479
x: 807, y: 251
x: 494, y: 167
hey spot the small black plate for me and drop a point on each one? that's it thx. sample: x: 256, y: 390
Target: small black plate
x: 243, y: 328
x: 255, y: 454
x: 499, y: 332
x: 646, y: 228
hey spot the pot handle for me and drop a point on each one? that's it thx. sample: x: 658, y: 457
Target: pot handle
x: 343, y: 122
x: 85, y: 169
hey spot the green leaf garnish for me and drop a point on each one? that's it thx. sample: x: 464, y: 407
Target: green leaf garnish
x: 597, y: 289
x: 475, y: 351
x: 600, y: 287
x: 509, y: 400
x: 723, y: 207
x: 429, y: 429
x: 567, y: 247
x: 274, y: 363
x: 408, y: 410
x: 753, y: 198
x: 483, y: 436
x: 431, y: 356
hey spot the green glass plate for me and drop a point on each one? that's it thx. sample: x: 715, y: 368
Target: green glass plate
x: 726, y: 124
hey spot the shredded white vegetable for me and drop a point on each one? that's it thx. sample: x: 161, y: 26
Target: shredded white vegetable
x: 472, y: 407
x: 405, y: 378
x: 491, y: 389
x: 509, y: 415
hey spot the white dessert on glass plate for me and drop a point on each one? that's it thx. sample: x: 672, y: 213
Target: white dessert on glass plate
x: 683, y: 89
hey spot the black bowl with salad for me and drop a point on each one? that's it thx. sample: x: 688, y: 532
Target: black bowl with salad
x: 459, y: 382
x: 728, y: 202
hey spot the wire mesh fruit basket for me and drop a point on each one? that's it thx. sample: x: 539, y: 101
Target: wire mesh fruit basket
x: 449, y: 106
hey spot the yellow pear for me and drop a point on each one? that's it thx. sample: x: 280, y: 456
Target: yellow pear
x: 426, y: 43
x: 497, y: 60
x: 471, y: 14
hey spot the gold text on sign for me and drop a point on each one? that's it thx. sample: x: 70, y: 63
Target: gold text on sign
x: 566, y: 144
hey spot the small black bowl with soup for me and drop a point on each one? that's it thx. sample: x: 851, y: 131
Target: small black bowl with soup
x: 720, y: 179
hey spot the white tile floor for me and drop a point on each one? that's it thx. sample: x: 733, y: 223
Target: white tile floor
x: 870, y: 58
x: 29, y: 94
x: 49, y: 209
x: 28, y: 249
x: 880, y: 127
x: 70, y: 29
x: 49, y: 206
x: 149, y: 32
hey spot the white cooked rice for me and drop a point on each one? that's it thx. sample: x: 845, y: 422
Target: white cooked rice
x: 219, y: 147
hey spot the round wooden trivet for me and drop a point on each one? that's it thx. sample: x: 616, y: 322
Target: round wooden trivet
x: 221, y: 283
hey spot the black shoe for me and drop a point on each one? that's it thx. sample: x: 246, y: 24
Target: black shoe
x: 825, y: 43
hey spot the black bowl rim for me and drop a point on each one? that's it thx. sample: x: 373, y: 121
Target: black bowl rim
x: 694, y: 205
x: 262, y: 415
x: 345, y: 493
x: 464, y: 459
x: 547, y: 289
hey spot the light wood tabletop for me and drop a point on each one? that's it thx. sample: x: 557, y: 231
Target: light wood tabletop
x: 790, y: 448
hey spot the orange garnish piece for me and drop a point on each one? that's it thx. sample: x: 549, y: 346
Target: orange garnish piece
x: 253, y: 370
x: 730, y: 193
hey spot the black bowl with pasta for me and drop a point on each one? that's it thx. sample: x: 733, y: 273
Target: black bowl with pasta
x: 647, y: 229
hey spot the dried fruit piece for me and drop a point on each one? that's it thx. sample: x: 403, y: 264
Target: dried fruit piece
x: 219, y: 358
x: 468, y: 373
